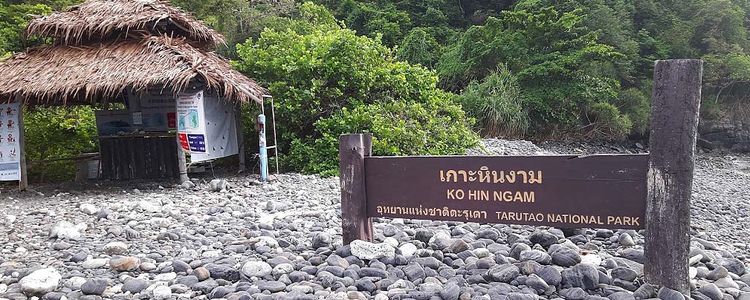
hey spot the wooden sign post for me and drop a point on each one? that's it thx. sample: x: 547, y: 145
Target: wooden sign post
x: 650, y: 191
x: 355, y: 223
x: 675, y: 105
x: 23, y: 184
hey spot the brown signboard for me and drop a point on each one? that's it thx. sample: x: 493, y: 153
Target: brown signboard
x: 650, y: 192
x: 599, y: 191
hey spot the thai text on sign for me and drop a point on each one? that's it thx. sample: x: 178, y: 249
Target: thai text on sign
x: 601, y: 191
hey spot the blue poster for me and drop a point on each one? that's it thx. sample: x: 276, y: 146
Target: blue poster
x: 197, y: 142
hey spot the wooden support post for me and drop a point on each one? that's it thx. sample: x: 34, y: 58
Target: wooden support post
x: 675, y: 106
x: 23, y: 184
x: 353, y: 148
x: 240, y: 138
x: 181, y: 162
x: 275, y: 142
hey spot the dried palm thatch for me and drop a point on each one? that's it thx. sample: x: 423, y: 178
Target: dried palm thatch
x: 66, y: 74
x: 103, y: 19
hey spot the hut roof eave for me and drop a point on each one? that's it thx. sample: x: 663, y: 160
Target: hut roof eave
x: 86, y: 73
x: 97, y: 19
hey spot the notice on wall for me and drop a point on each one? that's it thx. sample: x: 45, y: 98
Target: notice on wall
x: 113, y: 122
x: 191, y: 122
x: 155, y: 99
x: 10, y: 155
x: 153, y: 110
x: 221, y: 129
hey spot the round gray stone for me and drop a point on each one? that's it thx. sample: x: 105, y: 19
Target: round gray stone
x: 94, y: 287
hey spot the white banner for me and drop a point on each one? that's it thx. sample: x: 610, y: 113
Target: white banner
x: 10, y: 155
x: 191, y: 122
x: 221, y: 130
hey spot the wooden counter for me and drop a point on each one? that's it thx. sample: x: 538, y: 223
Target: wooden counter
x: 145, y: 156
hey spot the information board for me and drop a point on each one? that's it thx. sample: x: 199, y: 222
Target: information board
x: 191, y: 122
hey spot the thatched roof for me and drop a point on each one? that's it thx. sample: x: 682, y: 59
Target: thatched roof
x: 103, y: 19
x: 65, y: 73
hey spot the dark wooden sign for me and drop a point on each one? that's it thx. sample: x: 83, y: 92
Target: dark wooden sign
x: 601, y: 191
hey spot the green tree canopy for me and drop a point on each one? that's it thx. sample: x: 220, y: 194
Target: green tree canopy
x: 559, y: 63
x: 328, y: 80
x: 13, y: 20
x: 419, y: 47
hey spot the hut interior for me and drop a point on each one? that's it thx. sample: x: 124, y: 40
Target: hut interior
x: 145, y: 58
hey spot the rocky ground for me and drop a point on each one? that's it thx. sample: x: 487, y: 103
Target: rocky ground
x: 237, y: 239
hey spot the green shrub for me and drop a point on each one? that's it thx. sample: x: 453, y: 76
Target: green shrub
x: 635, y: 104
x: 13, y: 20
x: 419, y: 47
x: 313, y: 75
x: 710, y: 109
x: 552, y: 54
x: 497, y: 104
x: 331, y: 81
x: 436, y: 127
x: 607, y: 122
x: 383, y: 19
x: 57, y: 132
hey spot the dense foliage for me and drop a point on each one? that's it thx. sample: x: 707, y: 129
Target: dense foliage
x: 584, y: 66
x: 521, y: 68
x: 497, y: 104
x: 13, y: 19
x: 54, y: 135
x: 556, y: 60
x: 238, y: 20
x: 330, y: 81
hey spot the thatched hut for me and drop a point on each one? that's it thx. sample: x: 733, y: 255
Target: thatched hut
x: 110, y: 51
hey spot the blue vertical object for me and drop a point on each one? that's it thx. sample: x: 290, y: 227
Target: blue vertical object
x: 262, y: 153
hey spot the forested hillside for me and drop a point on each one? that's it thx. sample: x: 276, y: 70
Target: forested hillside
x: 408, y: 70
x: 582, y: 67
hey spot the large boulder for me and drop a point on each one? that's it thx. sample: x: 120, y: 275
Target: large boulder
x: 67, y: 230
x: 566, y: 257
x: 40, y: 281
x: 115, y: 248
x: 124, y: 263
x: 582, y: 275
x: 504, y: 273
x: 369, y: 251
x: 733, y: 265
x: 666, y: 293
x: 256, y: 269
x: 89, y: 209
